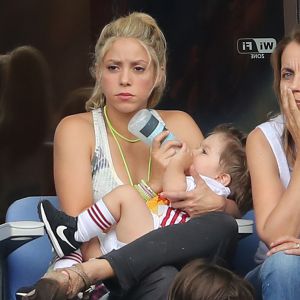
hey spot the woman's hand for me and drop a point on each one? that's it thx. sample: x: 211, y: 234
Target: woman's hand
x: 198, y: 201
x: 288, y: 244
x: 160, y: 156
x: 292, y: 114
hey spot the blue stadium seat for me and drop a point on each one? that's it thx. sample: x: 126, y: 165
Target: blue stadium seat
x: 25, y: 265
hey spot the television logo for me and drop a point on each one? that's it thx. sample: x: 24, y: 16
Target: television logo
x: 258, y: 46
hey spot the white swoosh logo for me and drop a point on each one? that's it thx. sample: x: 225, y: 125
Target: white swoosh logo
x: 60, y: 232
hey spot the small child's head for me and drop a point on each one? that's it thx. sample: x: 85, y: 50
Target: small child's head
x: 222, y: 156
x: 204, y: 281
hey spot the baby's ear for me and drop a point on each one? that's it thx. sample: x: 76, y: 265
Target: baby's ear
x: 224, y: 178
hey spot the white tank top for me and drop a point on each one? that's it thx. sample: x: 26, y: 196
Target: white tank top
x: 104, y: 176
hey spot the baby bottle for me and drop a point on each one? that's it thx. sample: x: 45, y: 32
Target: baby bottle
x: 145, y: 125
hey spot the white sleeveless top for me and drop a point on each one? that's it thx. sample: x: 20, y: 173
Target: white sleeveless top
x: 273, y: 130
x: 104, y: 176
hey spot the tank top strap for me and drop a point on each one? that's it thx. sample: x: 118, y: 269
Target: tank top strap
x: 97, y: 120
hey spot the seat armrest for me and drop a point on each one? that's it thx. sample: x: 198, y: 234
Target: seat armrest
x: 245, y: 226
x: 15, y: 234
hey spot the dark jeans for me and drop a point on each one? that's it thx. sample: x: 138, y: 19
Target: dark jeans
x: 208, y: 236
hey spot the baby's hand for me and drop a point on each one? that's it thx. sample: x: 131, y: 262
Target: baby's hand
x: 183, y: 157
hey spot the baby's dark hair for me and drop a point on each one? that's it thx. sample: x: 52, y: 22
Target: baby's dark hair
x: 234, y: 162
x: 199, y: 280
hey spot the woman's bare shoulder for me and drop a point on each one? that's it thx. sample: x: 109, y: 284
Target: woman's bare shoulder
x: 255, y: 137
x: 170, y: 115
x: 183, y: 126
x: 76, y: 121
x: 79, y: 124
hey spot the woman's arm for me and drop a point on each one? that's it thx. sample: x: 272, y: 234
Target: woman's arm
x: 73, y: 150
x: 72, y: 164
x: 277, y: 209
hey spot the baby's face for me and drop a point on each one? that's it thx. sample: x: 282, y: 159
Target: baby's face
x: 206, y: 159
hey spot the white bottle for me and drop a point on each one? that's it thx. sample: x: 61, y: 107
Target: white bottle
x: 145, y: 125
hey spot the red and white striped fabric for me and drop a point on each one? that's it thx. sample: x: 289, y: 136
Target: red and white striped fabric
x: 99, y: 218
x: 172, y: 216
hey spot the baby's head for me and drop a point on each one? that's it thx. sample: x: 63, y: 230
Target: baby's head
x: 222, y: 157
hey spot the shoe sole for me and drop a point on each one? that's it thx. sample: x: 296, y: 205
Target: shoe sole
x: 45, y: 289
x: 49, y: 232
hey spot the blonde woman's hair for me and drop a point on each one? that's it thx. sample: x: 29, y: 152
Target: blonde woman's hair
x: 288, y: 143
x: 143, y: 28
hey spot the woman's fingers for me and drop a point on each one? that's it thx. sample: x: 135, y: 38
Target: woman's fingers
x: 288, y: 244
x: 290, y: 107
x: 288, y: 248
x: 166, y: 149
x: 285, y: 102
x: 157, y: 141
x: 291, y: 113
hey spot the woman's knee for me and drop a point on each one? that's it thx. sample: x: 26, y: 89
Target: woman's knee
x: 218, y: 220
x: 222, y: 223
x: 281, y: 265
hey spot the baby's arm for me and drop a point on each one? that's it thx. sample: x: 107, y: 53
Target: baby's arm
x: 174, y: 178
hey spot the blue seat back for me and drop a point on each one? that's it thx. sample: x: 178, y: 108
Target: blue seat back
x: 29, y: 262
x: 243, y: 259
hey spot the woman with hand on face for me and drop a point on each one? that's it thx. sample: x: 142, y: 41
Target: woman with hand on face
x: 94, y: 152
x: 274, y: 163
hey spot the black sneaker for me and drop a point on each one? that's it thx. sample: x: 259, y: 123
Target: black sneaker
x: 60, y: 228
x: 26, y: 292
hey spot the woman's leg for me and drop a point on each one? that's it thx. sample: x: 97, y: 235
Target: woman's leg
x: 278, y: 277
x: 207, y: 236
x: 154, y: 286
x: 254, y: 278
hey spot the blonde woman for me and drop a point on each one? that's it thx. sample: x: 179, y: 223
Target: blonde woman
x: 130, y: 72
